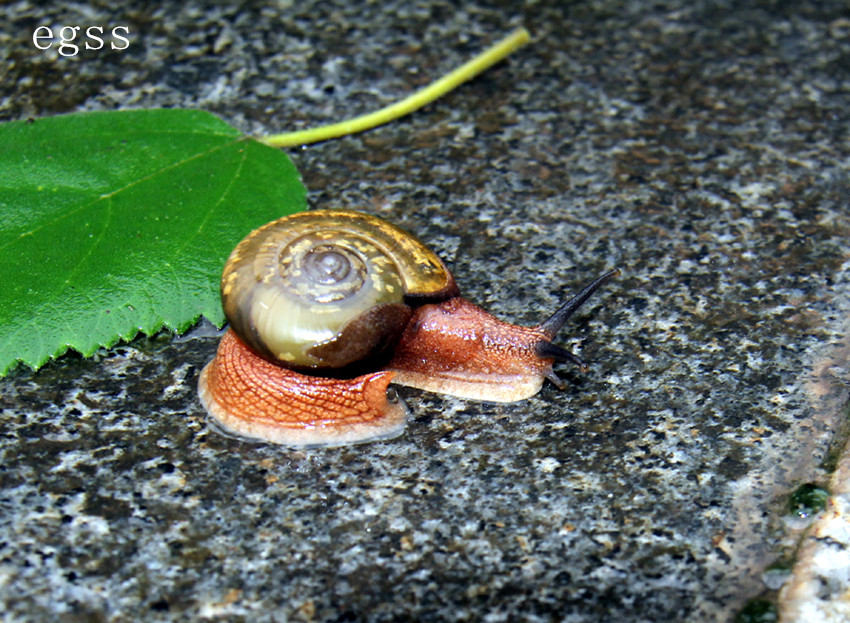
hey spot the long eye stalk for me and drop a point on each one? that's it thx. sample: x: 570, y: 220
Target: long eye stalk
x: 553, y: 324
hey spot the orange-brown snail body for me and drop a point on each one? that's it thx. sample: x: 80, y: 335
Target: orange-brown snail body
x: 327, y: 307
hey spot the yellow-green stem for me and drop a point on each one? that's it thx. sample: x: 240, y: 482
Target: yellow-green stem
x: 417, y: 100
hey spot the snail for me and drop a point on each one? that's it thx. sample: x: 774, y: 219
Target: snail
x: 327, y: 307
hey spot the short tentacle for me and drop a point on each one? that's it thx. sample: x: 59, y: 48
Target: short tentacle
x: 548, y: 350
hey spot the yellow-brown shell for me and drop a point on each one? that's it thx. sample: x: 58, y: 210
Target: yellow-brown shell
x: 328, y: 288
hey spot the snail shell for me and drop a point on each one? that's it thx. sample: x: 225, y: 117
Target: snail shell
x: 327, y: 289
x: 327, y: 307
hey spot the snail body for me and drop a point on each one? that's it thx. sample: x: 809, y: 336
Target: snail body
x: 327, y: 307
x: 252, y: 397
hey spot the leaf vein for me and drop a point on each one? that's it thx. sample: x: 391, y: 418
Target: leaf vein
x: 162, y: 171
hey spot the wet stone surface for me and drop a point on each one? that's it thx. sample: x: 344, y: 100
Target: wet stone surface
x: 702, y: 147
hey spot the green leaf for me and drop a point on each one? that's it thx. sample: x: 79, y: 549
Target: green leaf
x: 120, y: 222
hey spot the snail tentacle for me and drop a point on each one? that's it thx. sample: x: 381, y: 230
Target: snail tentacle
x: 553, y: 324
x: 548, y: 350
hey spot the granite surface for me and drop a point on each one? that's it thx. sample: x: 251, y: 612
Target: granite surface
x: 700, y: 146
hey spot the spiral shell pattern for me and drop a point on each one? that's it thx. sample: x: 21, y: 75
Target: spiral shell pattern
x: 327, y: 288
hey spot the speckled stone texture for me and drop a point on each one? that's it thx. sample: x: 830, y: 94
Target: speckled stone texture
x: 700, y: 146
